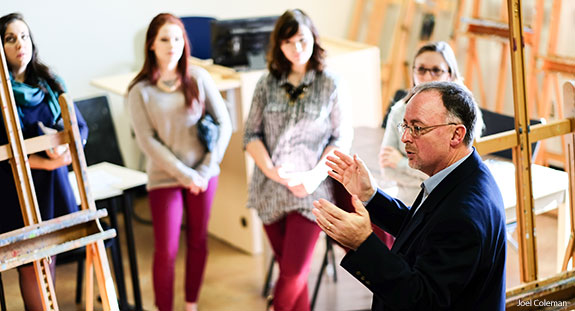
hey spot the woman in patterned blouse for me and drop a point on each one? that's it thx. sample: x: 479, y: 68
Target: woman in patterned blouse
x: 296, y: 119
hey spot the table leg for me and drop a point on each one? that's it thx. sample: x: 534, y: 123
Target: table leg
x: 128, y: 210
x: 2, y: 298
x: 117, y: 261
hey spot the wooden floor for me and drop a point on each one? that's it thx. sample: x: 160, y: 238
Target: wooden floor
x: 234, y: 280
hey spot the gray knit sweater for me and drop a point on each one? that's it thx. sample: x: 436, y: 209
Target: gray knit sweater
x: 167, y: 134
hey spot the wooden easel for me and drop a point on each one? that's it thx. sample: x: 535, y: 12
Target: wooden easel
x: 39, y: 240
x: 478, y: 27
x: 569, y: 105
x: 396, y: 68
x: 560, y: 286
x: 553, y: 66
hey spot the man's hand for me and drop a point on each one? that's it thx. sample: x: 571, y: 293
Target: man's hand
x: 349, y: 229
x: 352, y: 174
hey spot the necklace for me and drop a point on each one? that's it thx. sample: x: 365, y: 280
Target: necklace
x: 169, y: 83
x: 295, y: 93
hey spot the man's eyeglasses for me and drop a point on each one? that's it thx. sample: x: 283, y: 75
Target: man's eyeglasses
x: 435, y: 72
x: 417, y: 131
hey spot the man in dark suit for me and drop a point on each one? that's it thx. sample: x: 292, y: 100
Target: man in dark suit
x: 450, y: 247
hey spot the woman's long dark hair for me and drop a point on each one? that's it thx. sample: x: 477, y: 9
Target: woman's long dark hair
x: 150, y: 70
x: 36, y: 71
x: 286, y: 27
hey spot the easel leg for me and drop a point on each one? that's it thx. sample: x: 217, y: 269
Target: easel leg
x: 44, y: 278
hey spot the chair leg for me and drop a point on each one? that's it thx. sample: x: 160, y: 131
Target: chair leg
x: 79, y: 280
x: 329, y: 248
x: 328, y: 256
x: 269, y: 275
x: 127, y: 205
x: 117, y: 256
x: 319, y: 277
x: 2, y: 298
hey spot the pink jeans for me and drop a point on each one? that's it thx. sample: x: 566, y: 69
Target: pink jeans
x: 167, y: 206
x: 293, y: 239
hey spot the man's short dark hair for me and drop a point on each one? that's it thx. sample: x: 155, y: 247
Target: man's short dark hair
x: 458, y: 101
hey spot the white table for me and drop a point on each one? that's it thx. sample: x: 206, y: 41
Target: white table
x: 549, y: 187
x: 111, y: 182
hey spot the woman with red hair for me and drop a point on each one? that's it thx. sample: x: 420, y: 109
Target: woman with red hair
x: 167, y: 100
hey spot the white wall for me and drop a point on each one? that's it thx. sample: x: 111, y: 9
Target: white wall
x: 83, y: 40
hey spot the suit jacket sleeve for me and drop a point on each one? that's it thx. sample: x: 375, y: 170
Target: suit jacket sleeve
x: 446, y: 261
x: 389, y: 218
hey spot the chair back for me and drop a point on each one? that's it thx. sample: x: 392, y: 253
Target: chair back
x: 200, y: 35
x: 497, y: 123
x: 102, y: 144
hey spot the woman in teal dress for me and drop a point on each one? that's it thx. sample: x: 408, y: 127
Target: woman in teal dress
x: 36, y: 90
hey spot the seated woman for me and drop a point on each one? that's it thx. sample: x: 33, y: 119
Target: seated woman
x: 434, y: 61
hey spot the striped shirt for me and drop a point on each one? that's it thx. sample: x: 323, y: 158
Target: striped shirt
x: 295, y: 132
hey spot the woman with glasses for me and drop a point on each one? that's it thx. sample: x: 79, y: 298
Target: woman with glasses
x: 295, y: 120
x: 433, y: 62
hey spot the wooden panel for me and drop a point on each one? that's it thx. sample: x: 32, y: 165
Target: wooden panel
x: 52, y: 244
x: 539, y: 288
x: 50, y: 226
x: 37, y: 144
x: 508, y: 139
x: 482, y: 27
x: 560, y: 65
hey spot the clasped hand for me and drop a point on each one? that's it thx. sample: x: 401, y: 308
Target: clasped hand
x: 56, y: 158
x: 301, y: 184
x: 198, y: 184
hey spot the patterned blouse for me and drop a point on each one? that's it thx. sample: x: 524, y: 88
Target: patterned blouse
x: 295, y: 129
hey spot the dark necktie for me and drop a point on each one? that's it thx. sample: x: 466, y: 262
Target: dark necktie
x: 411, y: 212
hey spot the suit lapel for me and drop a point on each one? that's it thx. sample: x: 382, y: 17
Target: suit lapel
x: 437, y: 196
x: 409, y: 215
x: 411, y: 223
